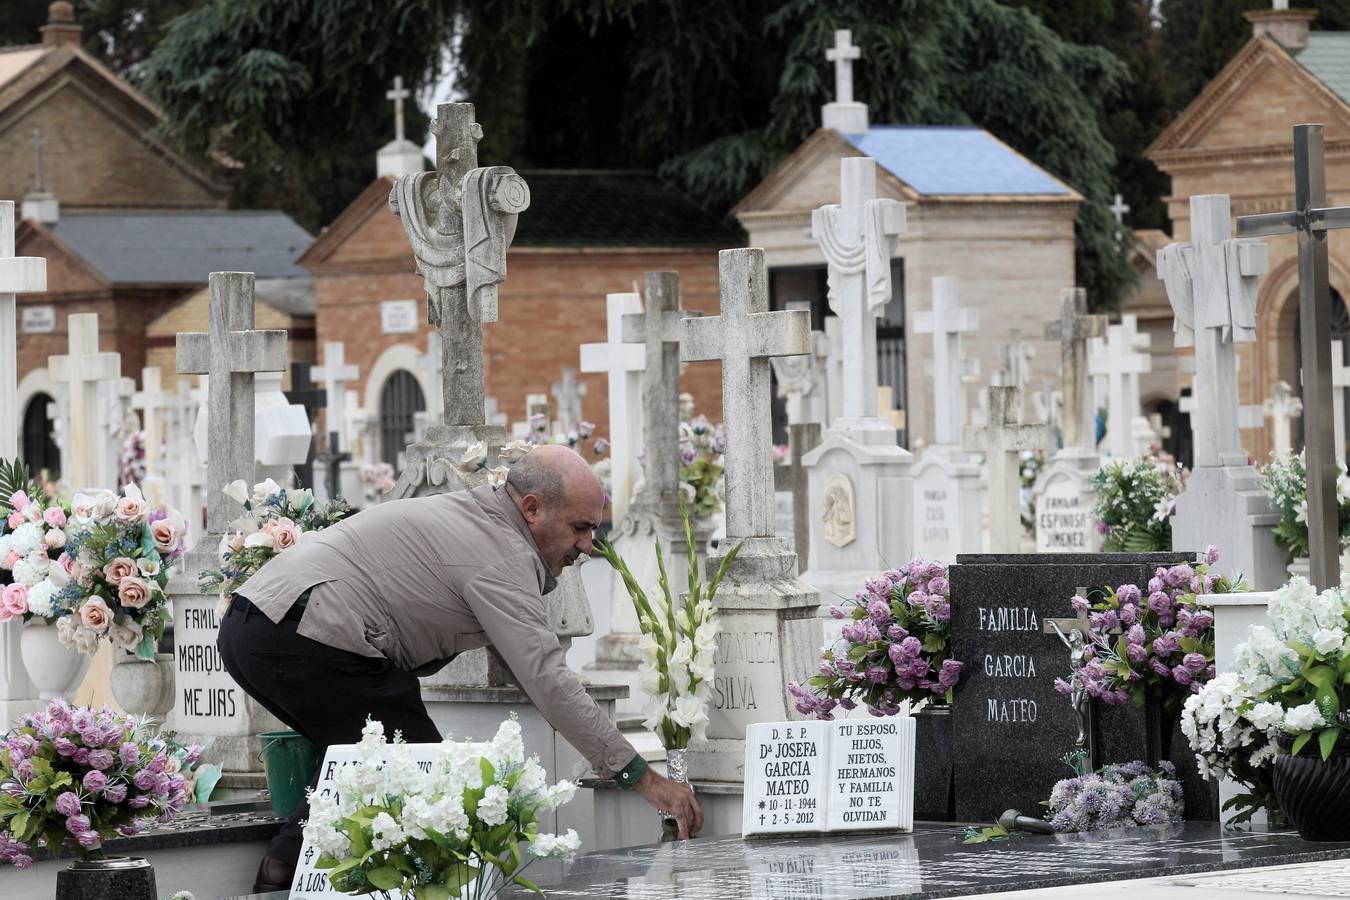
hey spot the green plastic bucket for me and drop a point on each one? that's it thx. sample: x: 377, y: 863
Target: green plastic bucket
x: 290, y: 762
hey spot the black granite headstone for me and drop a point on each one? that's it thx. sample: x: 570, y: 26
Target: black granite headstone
x: 1010, y: 727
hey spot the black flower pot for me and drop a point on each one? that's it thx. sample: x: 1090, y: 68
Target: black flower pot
x: 114, y: 878
x: 1314, y: 794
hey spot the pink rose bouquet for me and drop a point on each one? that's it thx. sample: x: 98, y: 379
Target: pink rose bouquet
x: 894, y: 646
x: 1156, y: 638
x: 33, y: 537
x: 114, y: 571
x: 71, y: 777
x: 275, y: 520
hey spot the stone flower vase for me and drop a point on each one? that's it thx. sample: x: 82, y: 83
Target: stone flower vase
x: 143, y: 687
x: 677, y: 769
x: 52, y: 667
x: 113, y: 878
x: 1315, y: 795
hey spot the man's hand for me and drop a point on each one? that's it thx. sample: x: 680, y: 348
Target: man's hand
x: 675, y: 798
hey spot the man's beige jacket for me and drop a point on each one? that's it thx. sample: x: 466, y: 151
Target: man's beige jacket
x: 418, y: 581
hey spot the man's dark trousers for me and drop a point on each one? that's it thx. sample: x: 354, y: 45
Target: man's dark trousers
x: 322, y: 692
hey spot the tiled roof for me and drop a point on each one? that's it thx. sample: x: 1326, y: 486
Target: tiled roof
x: 184, y: 247
x: 581, y: 208
x: 1327, y: 58
x: 14, y: 60
x: 955, y: 160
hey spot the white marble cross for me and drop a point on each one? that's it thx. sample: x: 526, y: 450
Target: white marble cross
x: 799, y: 377
x: 334, y: 375
x: 842, y: 54
x: 354, y: 421
x: 155, y: 405
x: 1282, y: 409
x: 857, y: 238
x: 1116, y: 360
x: 622, y: 363
x: 18, y: 275
x: 1119, y: 208
x: 1249, y: 416
x: 1211, y: 284
x: 230, y: 352
x: 834, y: 369
x: 398, y: 95
x: 1002, y: 441
x: 743, y: 338
x: 568, y: 392
x: 82, y: 368
x: 946, y: 323
x: 1073, y: 329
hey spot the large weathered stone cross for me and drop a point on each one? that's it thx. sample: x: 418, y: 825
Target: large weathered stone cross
x: 622, y: 363
x: 1211, y: 284
x: 460, y: 220
x: 1002, y: 442
x: 1072, y: 330
x: 946, y: 323
x: 82, y: 368
x: 230, y: 352
x: 743, y: 338
x: 857, y: 238
x: 1310, y: 221
x: 657, y: 329
x: 334, y: 374
x: 18, y: 275
x: 799, y: 377
x: 1120, y: 364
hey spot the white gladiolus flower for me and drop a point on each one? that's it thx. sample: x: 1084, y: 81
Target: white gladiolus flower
x: 474, y: 456
x: 689, y: 713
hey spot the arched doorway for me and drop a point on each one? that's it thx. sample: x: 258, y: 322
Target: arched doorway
x: 38, y: 449
x: 401, y: 398
x: 1340, y: 331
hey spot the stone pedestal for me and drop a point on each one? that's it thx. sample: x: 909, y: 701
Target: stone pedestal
x: 768, y: 635
x: 1063, y: 498
x: 1226, y: 506
x: 861, y: 507
x: 209, y: 708
x: 947, y: 501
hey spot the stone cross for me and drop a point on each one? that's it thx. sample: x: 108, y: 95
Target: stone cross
x: 432, y: 361
x: 946, y: 323
x: 834, y: 369
x: 18, y: 275
x: 568, y: 392
x: 842, y: 54
x: 334, y: 374
x: 1119, y: 364
x: 799, y: 377
x: 1282, y: 409
x: 623, y: 364
x: 1311, y: 220
x: 857, y: 238
x: 460, y: 219
x: 743, y: 338
x: 1119, y: 208
x: 658, y: 329
x: 1340, y: 380
x: 1002, y: 442
x: 82, y: 368
x: 1017, y: 355
x: 354, y: 422
x: 1072, y: 330
x: 230, y: 352
x: 1211, y: 284
x: 398, y: 95
x: 155, y: 404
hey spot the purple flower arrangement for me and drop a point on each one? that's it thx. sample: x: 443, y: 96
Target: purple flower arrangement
x: 71, y: 778
x: 1157, y: 638
x: 893, y: 647
x: 1126, y: 794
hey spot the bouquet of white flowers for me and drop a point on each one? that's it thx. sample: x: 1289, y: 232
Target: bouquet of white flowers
x: 433, y: 835
x: 678, y: 643
x: 1233, y: 737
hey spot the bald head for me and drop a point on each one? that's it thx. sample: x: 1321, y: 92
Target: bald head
x: 561, y: 500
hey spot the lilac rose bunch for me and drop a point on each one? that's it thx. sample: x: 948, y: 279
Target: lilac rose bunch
x: 1156, y: 638
x: 72, y: 778
x: 893, y: 648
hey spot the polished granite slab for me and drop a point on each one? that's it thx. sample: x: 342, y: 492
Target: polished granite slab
x: 932, y: 862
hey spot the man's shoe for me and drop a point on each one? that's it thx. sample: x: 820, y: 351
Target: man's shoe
x: 273, y: 875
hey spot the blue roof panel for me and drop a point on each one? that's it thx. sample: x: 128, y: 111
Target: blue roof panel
x: 936, y: 159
